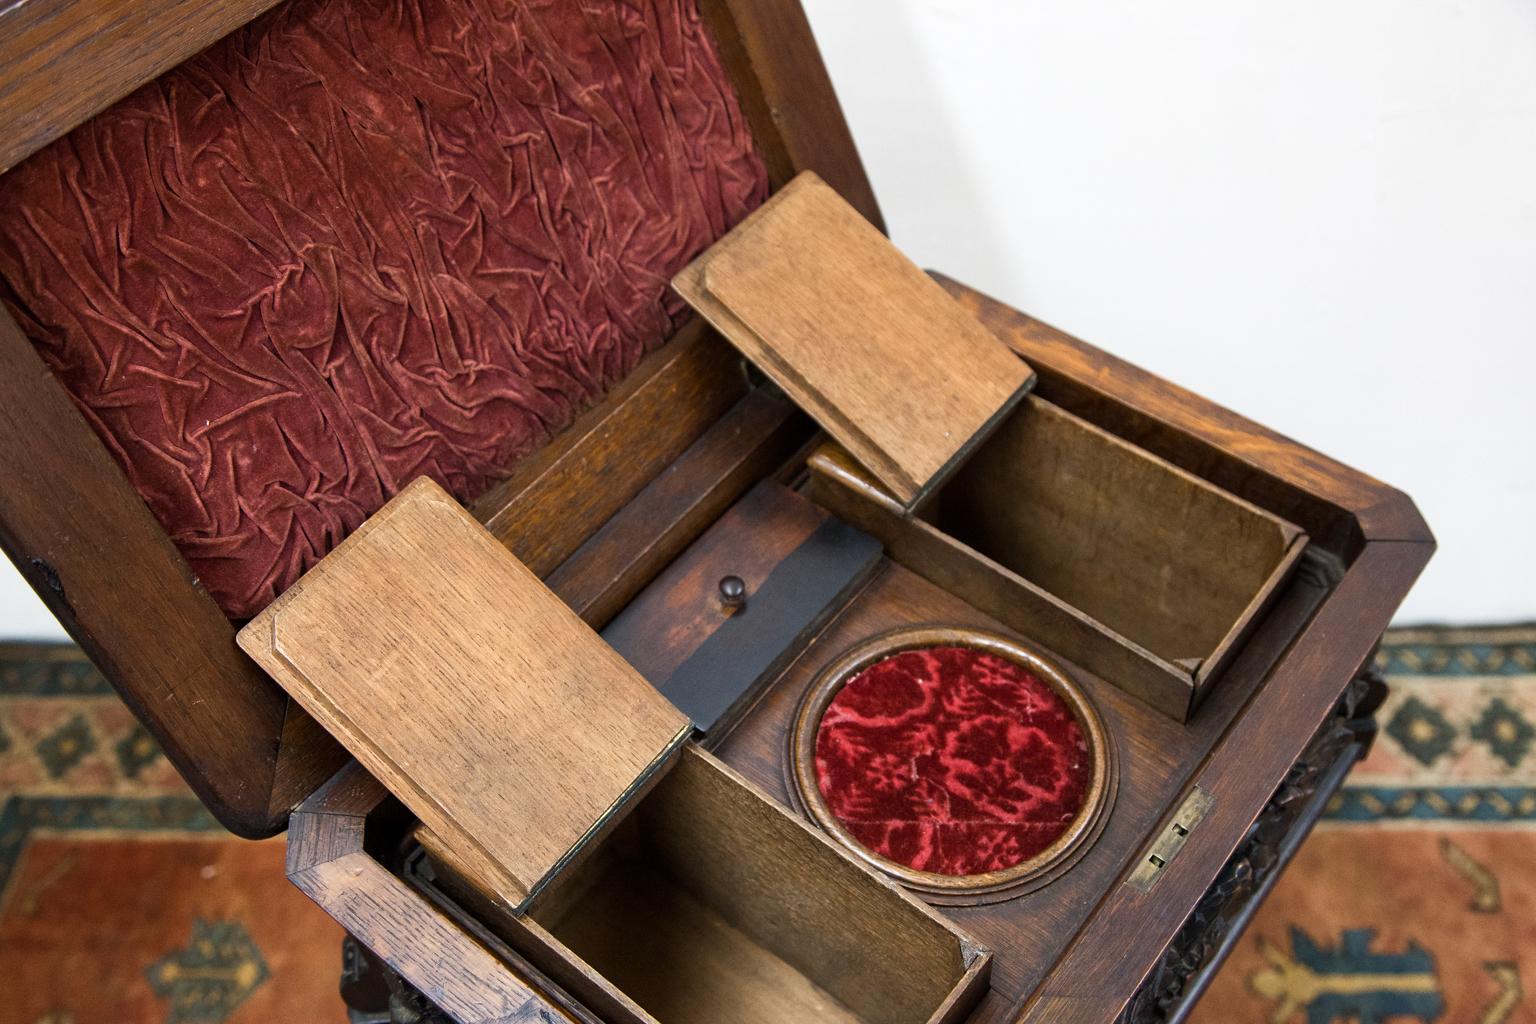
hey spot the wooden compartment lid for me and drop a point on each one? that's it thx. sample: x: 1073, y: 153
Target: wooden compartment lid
x: 873, y: 348
x: 473, y: 693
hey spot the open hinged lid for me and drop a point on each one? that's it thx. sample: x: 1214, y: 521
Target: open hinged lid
x: 78, y: 526
x: 468, y: 689
x: 875, y: 350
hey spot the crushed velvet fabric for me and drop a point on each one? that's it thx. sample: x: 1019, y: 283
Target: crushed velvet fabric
x: 952, y: 761
x: 362, y: 240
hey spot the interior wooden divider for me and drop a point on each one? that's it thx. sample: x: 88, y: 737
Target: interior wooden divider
x: 1144, y: 573
x: 711, y: 903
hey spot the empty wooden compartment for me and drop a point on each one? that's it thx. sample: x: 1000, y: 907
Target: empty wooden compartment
x: 711, y: 903
x: 1134, y: 568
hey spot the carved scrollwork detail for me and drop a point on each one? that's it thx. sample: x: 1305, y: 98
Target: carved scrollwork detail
x: 374, y: 994
x: 1168, y: 994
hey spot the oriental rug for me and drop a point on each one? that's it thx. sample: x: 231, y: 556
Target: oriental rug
x: 122, y: 902
x: 1414, y: 899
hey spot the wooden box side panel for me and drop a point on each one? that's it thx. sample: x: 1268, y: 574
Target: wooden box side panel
x: 1241, y: 772
x: 87, y: 543
x: 782, y: 83
x: 997, y: 591
x: 881, y: 952
x: 1338, y: 506
x: 469, y: 975
x: 685, y: 914
x: 61, y: 61
x: 1156, y: 554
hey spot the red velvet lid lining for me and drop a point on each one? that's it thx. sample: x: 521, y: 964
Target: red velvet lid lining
x: 358, y: 241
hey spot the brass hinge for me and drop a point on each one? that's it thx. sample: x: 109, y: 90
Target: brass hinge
x: 1172, y: 839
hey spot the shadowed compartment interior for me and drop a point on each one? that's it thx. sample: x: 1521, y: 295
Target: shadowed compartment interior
x: 712, y: 904
x: 1140, y: 571
x: 1155, y: 554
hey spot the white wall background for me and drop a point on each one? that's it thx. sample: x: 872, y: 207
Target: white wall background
x: 22, y: 615
x: 1321, y: 213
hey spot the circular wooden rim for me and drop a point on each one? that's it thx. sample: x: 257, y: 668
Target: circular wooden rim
x: 1038, y: 870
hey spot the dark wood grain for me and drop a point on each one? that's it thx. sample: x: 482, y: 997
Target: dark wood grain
x: 1241, y: 772
x: 559, y: 496
x: 760, y: 433
x: 328, y: 862
x: 102, y: 564
x: 307, y: 756
x: 1336, y: 505
x: 1194, y: 958
x: 681, y: 609
x: 787, y: 95
x: 795, y: 565
x: 62, y: 61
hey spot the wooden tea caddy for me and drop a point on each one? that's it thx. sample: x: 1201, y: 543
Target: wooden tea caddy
x: 1232, y: 695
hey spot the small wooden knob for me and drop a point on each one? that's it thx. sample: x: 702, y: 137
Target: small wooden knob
x: 733, y: 592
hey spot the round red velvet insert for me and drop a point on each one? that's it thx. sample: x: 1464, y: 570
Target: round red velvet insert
x: 952, y: 761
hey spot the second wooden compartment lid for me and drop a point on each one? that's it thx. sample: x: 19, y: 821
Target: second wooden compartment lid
x: 873, y: 348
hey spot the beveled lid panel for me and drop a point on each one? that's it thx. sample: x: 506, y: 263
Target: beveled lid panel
x: 874, y: 349
x: 467, y: 688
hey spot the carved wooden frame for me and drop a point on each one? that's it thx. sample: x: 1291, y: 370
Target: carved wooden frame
x: 475, y: 979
